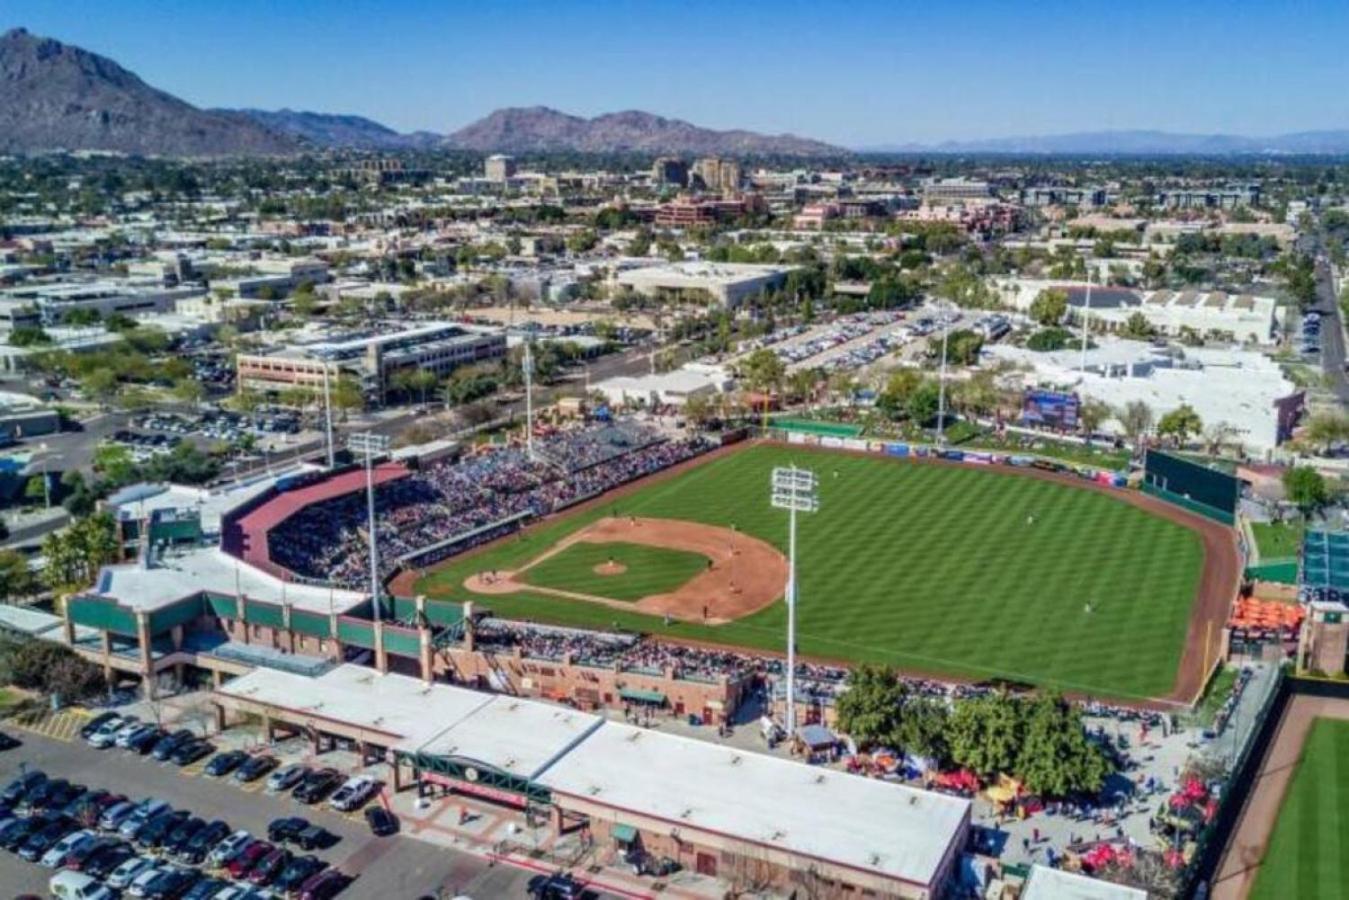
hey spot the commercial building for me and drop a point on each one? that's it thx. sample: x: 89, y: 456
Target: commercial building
x: 499, y: 167
x: 273, y: 278
x: 50, y: 303
x: 372, y: 357
x: 946, y: 190
x: 669, y: 171
x: 1216, y: 315
x: 715, y: 174
x: 1209, y: 197
x: 1045, y: 883
x: 1062, y: 195
x: 688, y: 213
x: 23, y: 416
x: 722, y: 812
x: 662, y: 389
x: 725, y: 284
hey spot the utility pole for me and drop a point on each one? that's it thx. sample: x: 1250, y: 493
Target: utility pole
x: 795, y: 490
x: 371, y: 444
x: 527, y: 365
x: 941, y: 384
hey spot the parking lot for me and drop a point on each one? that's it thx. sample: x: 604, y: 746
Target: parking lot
x: 396, y: 866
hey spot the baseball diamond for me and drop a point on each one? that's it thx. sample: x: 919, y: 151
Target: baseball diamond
x: 938, y: 568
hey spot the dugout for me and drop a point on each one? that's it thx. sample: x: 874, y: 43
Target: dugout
x: 1201, y: 489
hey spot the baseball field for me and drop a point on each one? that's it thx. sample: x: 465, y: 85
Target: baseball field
x: 1309, y: 849
x: 972, y: 572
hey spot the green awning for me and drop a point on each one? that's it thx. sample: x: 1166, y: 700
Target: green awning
x: 624, y: 834
x: 633, y: 694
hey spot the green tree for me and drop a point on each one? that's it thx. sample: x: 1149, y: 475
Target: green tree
x: 962, y: 347
x: 924, y: 402
x: 347, y: 395
x: 1091, y: 415
x: 1138, y: 327
x: 763, y: 370
x: 1180, y: 424
x: 1056, y: 758
x: 869, y: 710
x: 1305, y: 488
x: 100, y: 385
x: 1136, y: 418
x: 189, y: 391
x: 1326, y: 429
x: 985, y: 734
x: 16, y: 579
x: 922, y: 729
x: 899, y: 387
x: 1049, y: 306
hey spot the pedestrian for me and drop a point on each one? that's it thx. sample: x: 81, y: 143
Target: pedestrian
x: 1036, y: 833
x: 1025, y: 844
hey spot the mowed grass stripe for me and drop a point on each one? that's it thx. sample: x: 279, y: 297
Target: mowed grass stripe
x: 649, y: 570
x: 931, y: 567
x: 1309, y: 849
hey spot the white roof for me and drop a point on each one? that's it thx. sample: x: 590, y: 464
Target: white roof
x: 179, y: 575
x: 139, y: 500
x: 863, y: 823
x: 522, y: 737
x: 360, y: 696
x: 1055, y: 884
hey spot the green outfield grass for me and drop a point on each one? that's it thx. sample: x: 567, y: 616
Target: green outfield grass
x: 650, y: 570
x: 1277, y: 541
x: 933, y: 568
x: 1309, y: 849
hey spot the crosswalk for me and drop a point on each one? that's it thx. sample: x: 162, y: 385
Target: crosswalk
x: 60, y: 725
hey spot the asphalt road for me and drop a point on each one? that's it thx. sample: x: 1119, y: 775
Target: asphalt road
x: 1332, y: 332
x: 397, y: 867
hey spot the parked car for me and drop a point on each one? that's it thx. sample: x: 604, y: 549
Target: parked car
x: 113, y: 816
x: 141, y: 884
x: 324, y: 885
x: 300, y: 870
x: 254, y: 768
x: 56, y: 854
x: 105, y: 734
x: 243, y: 863
x: 148, y: 810
x: 192, y: 751
x: 42, y: 840
x: 559, y: 886
x: 287, y: 778
x: 130, y: 724
x: 144, y: 739
x: 264, y: 872
x: 158, y: 829
x: 77, y: 886
x: 97, y: 722
x: 206, y: 889
x: 170, y: 743
x: 21, y: 786
x: 353, y: 793
x: 169, y: 884
x: 102, y: 863
x: 194, y: 852
x: 44, y: 796
x: 228, y: 848
x: 382, y: 822
x: 183, y: 832
x: 77, y: 860
x: 122, y: 877
x: 16, y: 833
x: 224, y: 763
x: 317, y: 785
x: 282, y: 831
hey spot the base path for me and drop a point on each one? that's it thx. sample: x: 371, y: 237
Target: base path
x: 746, y: 573
x: 1241, y: 860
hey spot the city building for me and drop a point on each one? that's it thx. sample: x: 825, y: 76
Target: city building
x: 372, y: 357
x: 691, y: 213
x: 1045, y: 883
x: 499, y: 167
x: 669, y: 170
x: 50, y: 303
x: 661, y: 389
x: 1209, y: 197
x: 273, y: 278
x: 1062, y: 195
x: 945, y: 190
x: 725, y: 284
x: 718, y: 175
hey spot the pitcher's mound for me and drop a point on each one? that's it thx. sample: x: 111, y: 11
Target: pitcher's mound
x: 610, y: 568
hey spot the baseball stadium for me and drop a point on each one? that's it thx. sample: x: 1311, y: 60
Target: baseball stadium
x: 952, y: 565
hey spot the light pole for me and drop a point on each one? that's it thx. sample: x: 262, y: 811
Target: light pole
x: 527, y: 366
x: 1086, y: 316
x: 941, y: 379
x: 328, y: 413
x: 795, y: 490
x: 370, y: 444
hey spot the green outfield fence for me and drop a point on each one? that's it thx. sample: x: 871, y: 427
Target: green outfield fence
x: 810, y: 426
x: 1281, y: 571
x: 1193, y: 506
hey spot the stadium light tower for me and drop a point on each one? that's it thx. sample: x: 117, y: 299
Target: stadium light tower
x: 328, y: 414
x: 1086, y: 316
x: 371, y: 444
x: 527, y: 366
x: 795, y: 490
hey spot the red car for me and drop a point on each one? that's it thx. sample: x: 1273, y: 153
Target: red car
x: 324, y: 885
x: 242, y: 864
x: 270, y: 866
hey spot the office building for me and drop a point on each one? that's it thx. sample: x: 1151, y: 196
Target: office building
x: 499, y: 167
x: 669, y: 171
x: 719, y: 175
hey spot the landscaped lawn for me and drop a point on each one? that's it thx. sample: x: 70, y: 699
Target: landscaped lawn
x: 934, y: 568
x: 1277, y: 540
x: 649, y: 570
x: 1308, y: 852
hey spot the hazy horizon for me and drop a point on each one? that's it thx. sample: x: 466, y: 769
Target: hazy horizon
x: 861, y: 75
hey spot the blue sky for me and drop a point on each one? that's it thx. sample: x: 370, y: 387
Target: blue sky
x: 860, y: 73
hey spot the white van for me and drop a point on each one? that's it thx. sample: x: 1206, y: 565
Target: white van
x: 77, y: 886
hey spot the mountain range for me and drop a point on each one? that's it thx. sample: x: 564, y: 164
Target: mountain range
x: 60, y: 97
x: 1139, y: 143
